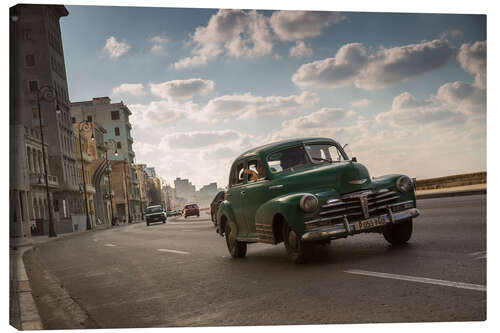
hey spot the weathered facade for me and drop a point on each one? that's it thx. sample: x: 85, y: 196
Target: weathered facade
x: 39, y: 88
x: 114, y: 117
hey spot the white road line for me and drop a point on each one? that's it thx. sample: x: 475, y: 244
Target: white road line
x: 109, y: 245
x: 173, y: 251
x: 445, y: 283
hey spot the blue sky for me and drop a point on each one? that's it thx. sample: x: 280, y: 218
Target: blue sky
x: 406, y: 91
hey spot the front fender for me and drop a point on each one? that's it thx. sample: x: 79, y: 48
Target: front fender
x: 389, y: 181
x: 226, y: 210
x: 286, y: 206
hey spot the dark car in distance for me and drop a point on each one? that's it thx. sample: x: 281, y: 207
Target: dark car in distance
x: 214, y: 206
x: 191, y: 210
x: 155, y: 214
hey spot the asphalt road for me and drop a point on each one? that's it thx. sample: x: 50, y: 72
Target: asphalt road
x: 181, y: 274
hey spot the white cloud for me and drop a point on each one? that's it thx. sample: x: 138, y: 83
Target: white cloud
x: 300, y: 50
x: 362, y: 103
x: 297, y: 25
x: 451, y: 34
x: 160, y: 113
x: 182, y: 89
x: 248, y: 106
x: 352, y: 65
x: 406, y: 111
x: 115, y: 48
x: 136, y: 89
x: 235, y: 33
x: 324, y: 117
x: 465, y: 97
x: 472, y: 58
x: 158, y: 44
x: 200, y: 139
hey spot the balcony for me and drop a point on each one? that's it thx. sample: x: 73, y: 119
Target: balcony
x: 38, y: 179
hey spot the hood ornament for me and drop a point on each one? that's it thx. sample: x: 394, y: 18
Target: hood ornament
x: 358, y: 181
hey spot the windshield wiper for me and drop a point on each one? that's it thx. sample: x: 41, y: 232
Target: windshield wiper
x: 322, y: 159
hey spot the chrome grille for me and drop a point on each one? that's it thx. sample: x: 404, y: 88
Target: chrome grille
x: 350, y: 205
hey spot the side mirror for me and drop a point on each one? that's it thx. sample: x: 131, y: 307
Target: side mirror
x: 354, y: 159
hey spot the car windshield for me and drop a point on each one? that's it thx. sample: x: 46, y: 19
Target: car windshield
x: 287, y: 159
x: 191, y: 206
x: 154, y: 209
x: 324, y: 153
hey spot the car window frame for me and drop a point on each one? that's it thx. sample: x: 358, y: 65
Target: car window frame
x: 336, y: 145
x: 233, y: 173
x: 289, y: 169
x: 263, y: 166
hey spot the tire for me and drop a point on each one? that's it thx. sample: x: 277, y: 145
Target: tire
x: 198, y: 215
x: 147, y: 223
x: 298, y: 251
x: 398, y: 234
x: 236, y: 249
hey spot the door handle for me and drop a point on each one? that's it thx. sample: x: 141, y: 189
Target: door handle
x: 275, y: 187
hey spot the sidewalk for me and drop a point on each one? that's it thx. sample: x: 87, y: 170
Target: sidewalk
x: 23, y: 313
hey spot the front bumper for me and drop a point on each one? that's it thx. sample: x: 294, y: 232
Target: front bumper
x: 348, y: 228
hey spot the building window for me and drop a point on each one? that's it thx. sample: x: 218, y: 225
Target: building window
x: 89, y: 119
x: 27, y: 34
x: 73, y: 120
x: 117, y: 131
x: 35, y: 113
x: 118, y: 145
x: 33, y: 85
x: 115, y: 115
x: 30, y: 60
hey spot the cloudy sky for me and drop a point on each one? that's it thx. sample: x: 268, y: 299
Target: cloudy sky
x: 407, y: 92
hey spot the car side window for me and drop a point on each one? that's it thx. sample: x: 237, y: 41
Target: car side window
x: 254, y: 171
x: 238, y: 176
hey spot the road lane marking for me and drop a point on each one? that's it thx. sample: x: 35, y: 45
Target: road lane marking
x: 173, y: 251
x: 445, y: 283
x: 109, y: 245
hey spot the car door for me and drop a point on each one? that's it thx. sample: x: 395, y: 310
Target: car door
x: 234, y: 195
x: 255, y: 192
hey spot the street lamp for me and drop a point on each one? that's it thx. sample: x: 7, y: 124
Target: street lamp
x: 126, y: 189
x: 49, y: 95
x: 109, y: 177
x: 81, y: 126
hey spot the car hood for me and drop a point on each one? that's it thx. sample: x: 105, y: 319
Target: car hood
x: 344, y: 177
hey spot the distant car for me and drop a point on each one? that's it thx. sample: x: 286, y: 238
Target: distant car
x: 155, y: 214
x: 191, y: 210
x: 170, y: 213
x: 219, y: 197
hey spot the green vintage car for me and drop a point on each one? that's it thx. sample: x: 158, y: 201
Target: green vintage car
x: 307, y: 191
x: 155, y: 213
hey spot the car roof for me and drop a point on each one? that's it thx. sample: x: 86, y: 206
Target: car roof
x: 154, y: 206
x: 264, y: 149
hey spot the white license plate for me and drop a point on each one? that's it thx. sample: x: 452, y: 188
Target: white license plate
x: 369, y: 223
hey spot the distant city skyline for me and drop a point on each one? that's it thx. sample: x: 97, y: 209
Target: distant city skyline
x: 405, y: 91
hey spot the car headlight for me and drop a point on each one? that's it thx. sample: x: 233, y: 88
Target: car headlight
x: 404, y: 184
x: 308, y: 203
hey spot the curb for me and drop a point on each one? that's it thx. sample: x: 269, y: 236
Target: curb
x: 450, y: 194
x: 28, y: 312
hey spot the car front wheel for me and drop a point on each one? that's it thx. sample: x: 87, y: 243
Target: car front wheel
x: 236, y: 249
x: 298, y: 250
x: 398, y: 234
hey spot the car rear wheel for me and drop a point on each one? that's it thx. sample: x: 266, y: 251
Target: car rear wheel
x: 236, y: 249
x: 398, y: 234
x: 297, y: 250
